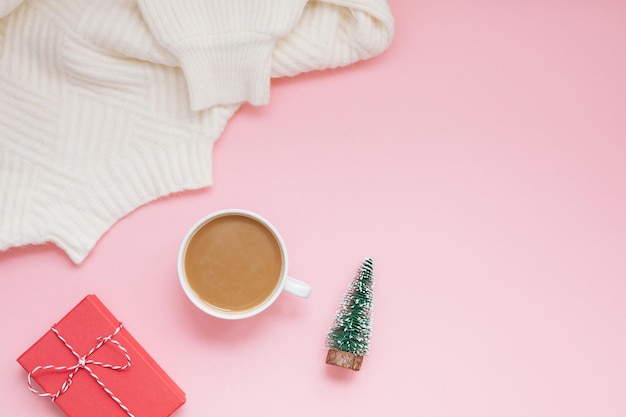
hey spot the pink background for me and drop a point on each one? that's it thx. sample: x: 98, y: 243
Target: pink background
x: 480, y: 162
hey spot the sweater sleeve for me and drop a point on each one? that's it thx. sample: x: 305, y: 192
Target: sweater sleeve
x: 334, y: 33
x: 224, y: 47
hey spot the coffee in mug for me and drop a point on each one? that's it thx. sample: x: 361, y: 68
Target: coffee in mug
x: 233, y: 264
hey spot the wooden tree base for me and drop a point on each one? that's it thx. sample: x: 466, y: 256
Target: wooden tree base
x: 344, y: 359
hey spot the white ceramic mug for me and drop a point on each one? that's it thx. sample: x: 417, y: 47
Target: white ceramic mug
x: 203, y: 251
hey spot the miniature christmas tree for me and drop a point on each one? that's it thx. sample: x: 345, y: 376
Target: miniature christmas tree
x: 349, y: 337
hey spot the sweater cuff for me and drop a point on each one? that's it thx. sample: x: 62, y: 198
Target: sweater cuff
x: 226, y: 69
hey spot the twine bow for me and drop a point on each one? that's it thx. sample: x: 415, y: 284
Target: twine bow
x: 83, y: 362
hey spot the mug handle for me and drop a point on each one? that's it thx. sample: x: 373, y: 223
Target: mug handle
x: 297, y: 287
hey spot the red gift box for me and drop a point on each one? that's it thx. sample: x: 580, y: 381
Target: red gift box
x: 83, y: 360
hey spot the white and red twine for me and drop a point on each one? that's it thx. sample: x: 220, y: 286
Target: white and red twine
x: 83, y: 362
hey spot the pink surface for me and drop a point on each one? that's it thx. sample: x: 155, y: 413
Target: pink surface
x: 479, y: 162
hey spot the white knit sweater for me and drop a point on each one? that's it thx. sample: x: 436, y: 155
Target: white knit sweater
x: 107, y: 105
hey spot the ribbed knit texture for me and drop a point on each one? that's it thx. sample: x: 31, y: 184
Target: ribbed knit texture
x: 224, y: 46
x: 109, y: 105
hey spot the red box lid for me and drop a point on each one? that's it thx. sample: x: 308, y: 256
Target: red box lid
x: 143, y: 387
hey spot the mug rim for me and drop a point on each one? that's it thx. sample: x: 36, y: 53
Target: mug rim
x: 205, y: 307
